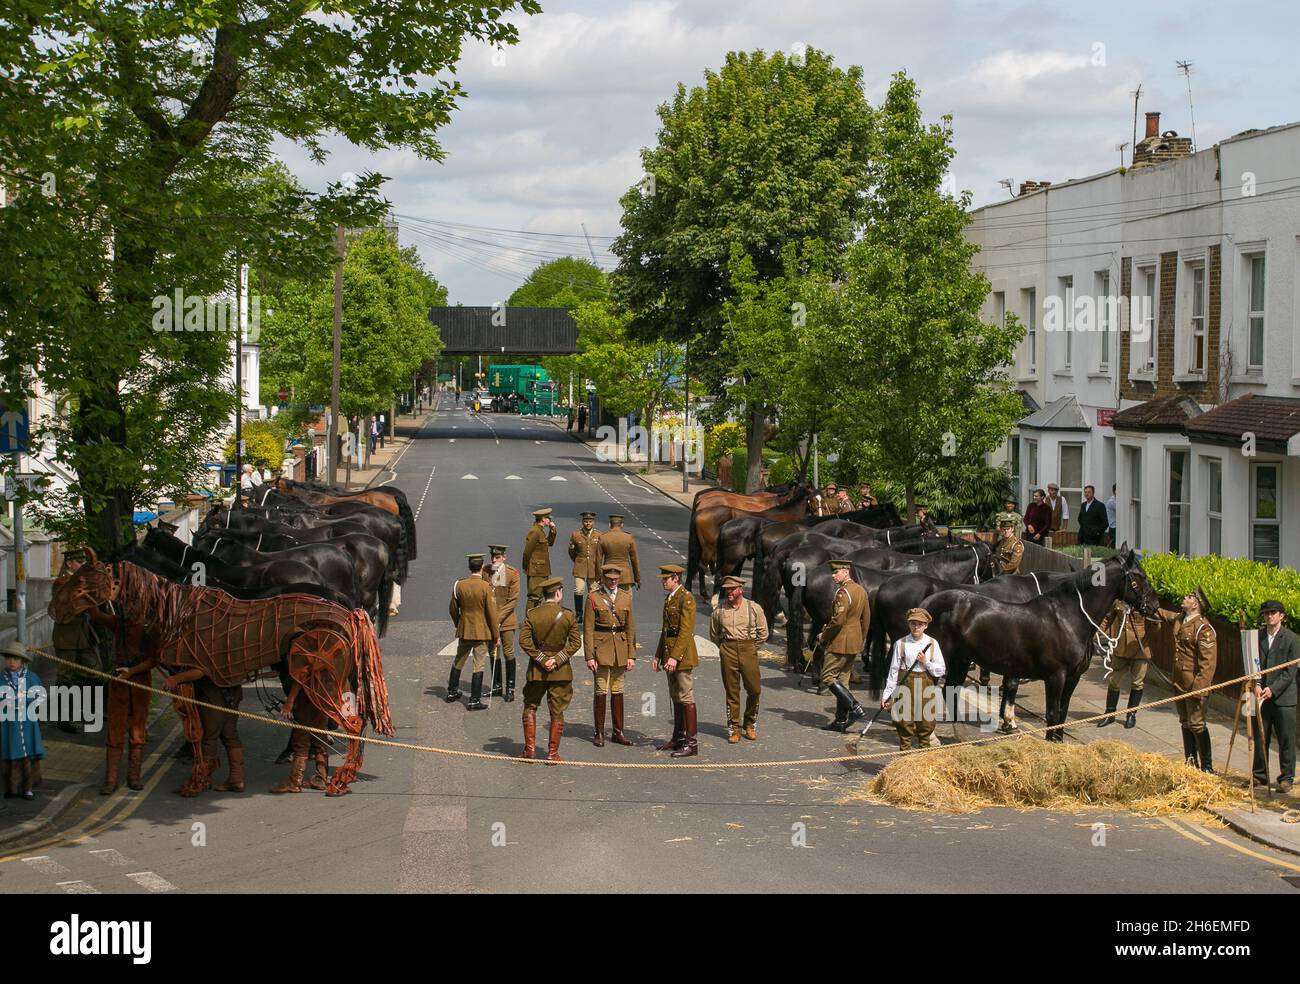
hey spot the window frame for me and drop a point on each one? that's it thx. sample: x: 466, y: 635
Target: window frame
x: 1183, y: 504
x: 1256, y: 520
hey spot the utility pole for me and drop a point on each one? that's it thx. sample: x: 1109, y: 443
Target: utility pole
x: 239, y: 380
x: 686, y: 417
x: 20, y: 544
x: 332, y: 432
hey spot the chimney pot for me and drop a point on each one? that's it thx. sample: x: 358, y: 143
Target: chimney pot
x: 1153, y: 125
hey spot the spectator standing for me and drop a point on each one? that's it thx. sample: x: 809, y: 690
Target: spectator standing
x: 1038, y: 518
x: 1110, y: 518
x: 1093, y: 521
x: 1276, y: 697
x: 1060, y: 508
x: 20, y: 732
x: 383, y: 427
x: 582, y: 418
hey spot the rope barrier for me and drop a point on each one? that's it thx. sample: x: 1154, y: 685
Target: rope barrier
x: 1019, y: 734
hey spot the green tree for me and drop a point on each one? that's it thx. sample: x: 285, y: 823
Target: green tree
x: 919, y: 381
x: 128, y: 135
x: 771, y: 150
x: 565, y: 282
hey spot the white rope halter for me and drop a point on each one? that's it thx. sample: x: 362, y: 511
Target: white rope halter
x: 1105, y: 644
x: 977, y: 563
x: 1036, y: 584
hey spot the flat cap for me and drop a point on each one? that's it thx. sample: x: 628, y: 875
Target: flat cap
x: 731, y: 581
x: 918, y: 615
x: 552, y: 582
x: 1272, y: 606
x: 611, y: 569
x: 666, y: 569
x: 837, y: 565
x: 497, y: 548
x: 542, y: 512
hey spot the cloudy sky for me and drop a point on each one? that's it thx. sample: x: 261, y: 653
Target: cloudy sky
x: 550, y: 133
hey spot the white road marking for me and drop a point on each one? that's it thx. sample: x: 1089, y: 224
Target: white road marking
x: 109, y: 856
x: 473, y: 478
x: 420, y: 504
x: 46, y: 865
x: 558, y: 478
x: 628, y: 479
x: 154, y: 883
x: 79, y: 888
x: 628, y: 510
x: 512, y: 478
x: 451, y: 440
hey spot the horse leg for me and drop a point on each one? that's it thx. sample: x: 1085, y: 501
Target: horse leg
x: 1055, y: 688
x: 324, y: 663
x: 1066, y: 693
x: 1007, y: 704
x: 200, y: 775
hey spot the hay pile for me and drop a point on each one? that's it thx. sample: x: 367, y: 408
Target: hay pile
x: 1031, y: 774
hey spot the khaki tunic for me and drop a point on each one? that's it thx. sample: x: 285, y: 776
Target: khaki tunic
x: 745, y: 622
x: 507, y: 597
x: 473, y: 609
x: 1009, y: 553
x: 1196, y: 654
x: 582, y: 551
x: 846, y: 633
x: 738, y: 632
x: 1130, y: 659
x: 618, y: 547
x: 550, y: 630
x: 609, y: 632
x: 677, y: 637
x: 537, y: 550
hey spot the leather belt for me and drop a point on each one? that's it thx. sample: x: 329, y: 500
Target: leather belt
x: 671, y: 635
x: 609, y: 628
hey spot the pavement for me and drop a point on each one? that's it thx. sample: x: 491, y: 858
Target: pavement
x: 421, y: 822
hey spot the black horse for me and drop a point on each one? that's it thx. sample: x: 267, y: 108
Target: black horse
x: 1048, y: 638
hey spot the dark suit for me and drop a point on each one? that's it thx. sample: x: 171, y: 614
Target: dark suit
x: 1277, y: 714
x: 1093, y: 523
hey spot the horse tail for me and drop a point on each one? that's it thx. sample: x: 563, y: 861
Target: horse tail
x: 878, y: 663
x: 794, y: 628
x: 372, y: 689
x: 758, y: 559
x: 692, y: 551
x: 408, y: 524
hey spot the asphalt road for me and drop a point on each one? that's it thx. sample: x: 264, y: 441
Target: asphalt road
x: 431, y: 823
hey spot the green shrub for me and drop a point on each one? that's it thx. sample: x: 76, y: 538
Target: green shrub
x: 739, y: 465
x: 785, y: 469
x: 1098, y: 553
x: 722, y: 439
x: 263, y: 442
x: 1233, y: 585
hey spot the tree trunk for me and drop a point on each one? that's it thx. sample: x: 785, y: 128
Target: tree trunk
x: 910, y: 515
x: 754, y: 440
x: 108, y: 507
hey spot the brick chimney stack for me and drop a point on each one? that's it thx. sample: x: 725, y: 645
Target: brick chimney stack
x: 1157, y: 147
x: 1027, y: 187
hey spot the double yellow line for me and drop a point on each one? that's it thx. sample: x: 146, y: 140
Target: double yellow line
x: 1203, y: 836
x: 117, y: 807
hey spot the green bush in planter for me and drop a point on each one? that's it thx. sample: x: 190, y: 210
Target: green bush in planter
x: 1232, y: 584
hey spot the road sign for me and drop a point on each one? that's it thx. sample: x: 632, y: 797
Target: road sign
x: 27, y: 479
x: 13, y: 431
x: 283, y: 396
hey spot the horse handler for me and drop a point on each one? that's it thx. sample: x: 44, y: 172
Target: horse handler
x: 738, y: 627
x: 678, y: 658
x: 549, y: 637
x: 842, y: 640
x: 1129, y: 662
x: 915, y: 683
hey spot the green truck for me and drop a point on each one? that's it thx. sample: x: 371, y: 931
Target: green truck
x: 522, y: 389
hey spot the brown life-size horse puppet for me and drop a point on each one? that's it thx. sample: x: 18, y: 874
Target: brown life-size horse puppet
x: 331, y: 653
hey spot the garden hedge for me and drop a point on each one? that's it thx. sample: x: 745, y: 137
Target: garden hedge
x: 1233, y: 585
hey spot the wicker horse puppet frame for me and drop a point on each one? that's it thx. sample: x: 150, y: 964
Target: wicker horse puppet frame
x: 331, y: 653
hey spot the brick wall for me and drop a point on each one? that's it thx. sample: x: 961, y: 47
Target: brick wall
x: 1203, y: 391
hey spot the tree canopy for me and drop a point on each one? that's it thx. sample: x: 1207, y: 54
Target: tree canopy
x: 564, y: 282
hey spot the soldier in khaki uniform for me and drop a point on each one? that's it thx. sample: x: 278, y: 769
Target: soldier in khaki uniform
x: 582, y: 551
x: 618, y: 547
x: 738, y: 627
x: 1196, y: 654
x: 505, y: 588
x: 1010, y: 550
x: 677, y: 656
x: 537, y: 554
x: 842, y: 640
x: 915, y: 682
x: 473, y: 610
x: 550, y: 637
x: 609, y: 640
x: 1128, y: 663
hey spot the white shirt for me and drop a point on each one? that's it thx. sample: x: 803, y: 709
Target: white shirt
x: 903, y: 658
x: 1110, y: 512
x: 1065, y: 506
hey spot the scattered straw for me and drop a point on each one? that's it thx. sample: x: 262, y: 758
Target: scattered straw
x: 1029, y: 774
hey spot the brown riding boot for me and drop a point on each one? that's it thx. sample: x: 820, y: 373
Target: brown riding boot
x: 689, y: 744
x: 553, y: 747
x: 111, y: 766
x: 599, y: 739
x: 616, y: 711
x: 134, y: 760
x: 294, y: 783
x: 321, y: 779
x: 235, y: 781
x: 530, y: 735
x: 675, y: 742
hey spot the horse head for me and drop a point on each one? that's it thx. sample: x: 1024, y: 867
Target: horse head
x: 1137, y: 589
x: 90, y: 587
x: 986, y: 561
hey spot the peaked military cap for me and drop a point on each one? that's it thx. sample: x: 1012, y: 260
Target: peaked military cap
x: 731, y: 581
x: 588, y: 514
x: 477, y: 556
x: 552, y: 582
x: 542, y: 512
x: 666, y: 570
x: 611, y: 569
x: 496, y: 548
x: 837, y: 565
x: 616, y: 517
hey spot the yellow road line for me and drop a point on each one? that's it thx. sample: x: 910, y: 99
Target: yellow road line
x: 125, y: 798
x: 1186, y: 833
x: 1248, y: 852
